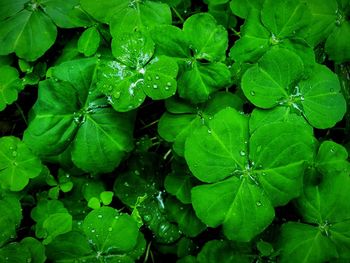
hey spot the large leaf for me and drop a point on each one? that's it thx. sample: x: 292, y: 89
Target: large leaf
x: 199, y: 80
x: 139, y: 16
x: 305, y: 243
x: 276, y: 80
x: 110, y: 231
x: 70, y: 111
x: 23, y: 34
x: 336, y: 44
x: 9, y: 8
x: 17, y: 164
x: 208, y: 39
x: 10, y: 85
x: 258, y: 174
x: 285, y: 18
x: 322, y: 101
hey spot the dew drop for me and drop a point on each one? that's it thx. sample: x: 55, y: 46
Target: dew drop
x: 168, y: 84
x: 149, y: 78
x: 258, y: 203
x: 302, y: 98
x: 155, y: 86
x: 110, y: 229
x: 99, y: 216
x: 166, y: 88
x: 252, y: 93
x: 147, y: 218
x: 242, y: 153
x: 332, y: 150
x: 157, y: 77
x: 14, y: 153
x: 93, y: 230
x: 209, y: 131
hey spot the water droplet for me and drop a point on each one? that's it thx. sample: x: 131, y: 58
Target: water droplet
x: 166, y: 88
x: 168, y: 84
x: 15, y: 163
x: 110, y: 229
x: 89, y: 92
x: 157, y: 77
x: 242, y: 153
x: 155, y: 86
x: 99, y: 216
x: 93, y: 230
x: 14, y: 153
x: 302, y: 98
x: 149, y: 78
x: 332, y: 150
x: 252, y: 93
x: 258, y: 203
x: 209, y: 131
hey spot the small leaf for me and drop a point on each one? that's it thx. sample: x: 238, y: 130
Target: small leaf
x: 106, y: 197
x: 9, y: 86
x: 17, y: 164
x: 89, y: 41
x: 52, y: 219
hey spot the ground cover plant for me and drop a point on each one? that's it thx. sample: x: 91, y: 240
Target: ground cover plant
x: 174, y: 131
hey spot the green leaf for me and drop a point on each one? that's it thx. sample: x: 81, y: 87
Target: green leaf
x: 16, y: 252
x: 17, y: 164
x: 324, y: 15
x: 208, y: 40
x: 182, y: 117
x: 36, y: 249
x: 185, y: 217
x: 106, y: 197
x: 70, y: 112
x: 254, y: 41
x: 277, y: 80
x: 332, y: 158
x: 268, y: 81
x: 9, y: 86
x: 89, y: 41
x: 110, y: 231
x: 199, y: 80
x: 260, y: 175
x: 94, y: 203
x: 10, y: 8
x: 16, y: 34
x: 52, y: 219
x: 133, y: 50
x: 159, y: 79
x: 304, y: 243
x: 223, y: 251
x: 285, y: 18
x: 179, y: 183
x: 245, y: 7
x: 337, y: 46
x: 104, y: 9
x: 139, y: 16
x: 171, y: 41
x: 67, y: 14
x: 322, y: 101
x: 10, y: 218
x: 140, y: 181
x: 241, y: 207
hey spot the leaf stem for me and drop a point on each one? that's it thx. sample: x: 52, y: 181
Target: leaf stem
x: 21, y: 112
x: 178, y: 15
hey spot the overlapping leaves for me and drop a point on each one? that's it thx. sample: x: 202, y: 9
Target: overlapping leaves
x: 135, y: 73
x: 279, y: 79
x: 247, y: 174
x: 200, y: 51
x: 71, y: 114
x: 323, y: 234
